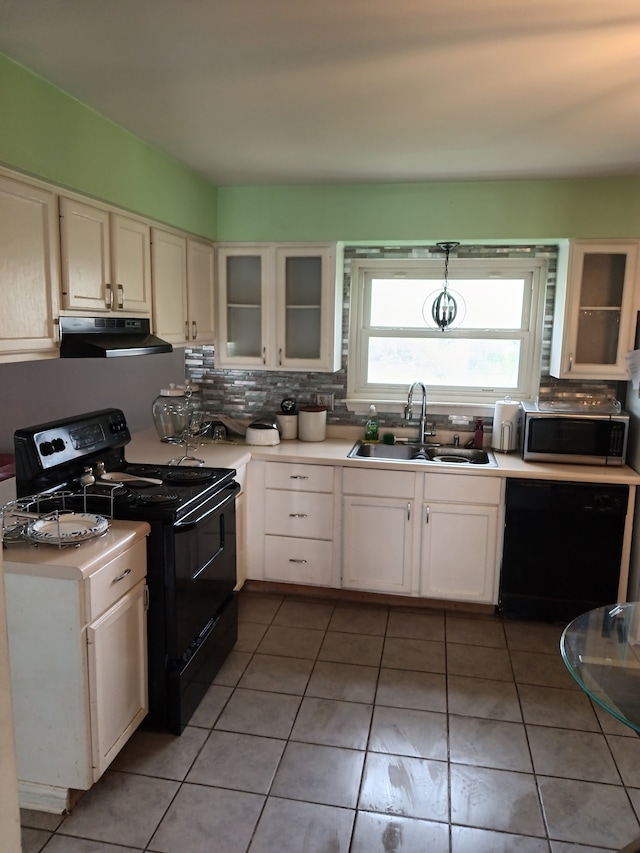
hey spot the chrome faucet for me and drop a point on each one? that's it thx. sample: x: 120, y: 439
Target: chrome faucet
x: 408, y: 409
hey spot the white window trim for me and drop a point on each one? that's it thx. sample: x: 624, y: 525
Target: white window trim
x: 390, y: 398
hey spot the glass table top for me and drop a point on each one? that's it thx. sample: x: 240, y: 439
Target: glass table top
x: 601, y: 650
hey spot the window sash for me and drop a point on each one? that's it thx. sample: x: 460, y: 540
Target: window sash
x: 527, y: 337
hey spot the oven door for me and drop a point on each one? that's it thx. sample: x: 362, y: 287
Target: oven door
x: 205, y: 569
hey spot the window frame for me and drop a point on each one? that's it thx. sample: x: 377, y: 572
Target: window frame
x: 533, y: 269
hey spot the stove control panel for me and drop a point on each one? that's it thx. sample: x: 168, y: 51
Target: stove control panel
x: 58, y: 442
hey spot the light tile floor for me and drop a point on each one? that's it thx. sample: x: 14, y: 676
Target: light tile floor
x: 356, y: 728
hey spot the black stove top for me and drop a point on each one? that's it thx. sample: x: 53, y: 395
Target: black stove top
x: 56, y: 455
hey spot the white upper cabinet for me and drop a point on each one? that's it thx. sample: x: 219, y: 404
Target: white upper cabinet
x: 29, y: 264
x: 595, y: 312
x: 169, y: 273
x: 200, y: 289
x: 183, y: 300
x: 106, y: 260
x: 280, y: 307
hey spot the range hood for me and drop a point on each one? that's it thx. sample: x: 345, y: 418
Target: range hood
x: 108, y: 337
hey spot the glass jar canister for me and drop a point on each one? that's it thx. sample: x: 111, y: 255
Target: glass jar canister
x: 172, y: 412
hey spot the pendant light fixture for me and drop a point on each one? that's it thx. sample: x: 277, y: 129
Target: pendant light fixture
x: 445, y: 308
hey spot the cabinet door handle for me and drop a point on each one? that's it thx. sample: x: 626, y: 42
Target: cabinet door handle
x: 298, y: 515
x: 280, y: 356
x: 146, y: 597
x: 427, y: 510
x: 408, y: 512
x: 570, y: 361
x: 264, y: 355
x: 194, y: 330
x: 186, y: 330
x: 108, y: 295
x: 120, y: 296
x: 298, y: 477
x: 292, y: 560
x: 121, y: 577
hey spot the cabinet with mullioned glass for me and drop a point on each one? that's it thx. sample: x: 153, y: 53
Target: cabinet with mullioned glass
x: 279, y: 307
x: 595, y: 310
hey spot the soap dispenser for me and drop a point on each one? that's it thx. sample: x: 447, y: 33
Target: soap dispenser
x: 479, y: 434
x: 371, y: 426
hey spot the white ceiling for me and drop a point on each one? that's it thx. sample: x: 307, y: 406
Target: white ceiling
x: 249, y: 92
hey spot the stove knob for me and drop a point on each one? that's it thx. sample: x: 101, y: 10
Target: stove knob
x: 58, y: 444
x: 46, y: 448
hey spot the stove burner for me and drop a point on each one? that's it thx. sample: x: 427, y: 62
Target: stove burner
x: 188, y: 476
x: 158, y: 499
x: 144, y: 470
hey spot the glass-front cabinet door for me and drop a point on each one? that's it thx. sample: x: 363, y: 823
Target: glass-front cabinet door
x: 244, y: 279
x: 280, y: 307
x: 595, y: 318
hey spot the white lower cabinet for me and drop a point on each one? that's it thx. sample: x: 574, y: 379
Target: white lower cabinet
x: 459, y: 541
x: 297, y: 514
x: 378, y: 532
x: 78, y: 657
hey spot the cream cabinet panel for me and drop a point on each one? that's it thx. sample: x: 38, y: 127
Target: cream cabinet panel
x: 131, y: 264
x: 291, y: 560
x: 280, y: 307
x: 106, y: 260
x: 458, y: 557
x: 377, y: 544
x: 595, y: 310
x: 295, y: 523
x: 183, y: 288
x: 117, y: 658
x: 29, y: 263
x: 299, y: 477
x: 169, y: 272
x: 200, y: 285
x: 306, y: 515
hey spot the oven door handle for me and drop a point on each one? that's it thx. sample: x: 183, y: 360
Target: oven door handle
x: 189, y: 523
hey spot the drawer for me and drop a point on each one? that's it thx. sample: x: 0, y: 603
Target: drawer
x: 293, y: 560
x: 460, y: 488
x: 298, y: 477
x: 104, y: 587
x: 384, y: 484
x: 302, y: 514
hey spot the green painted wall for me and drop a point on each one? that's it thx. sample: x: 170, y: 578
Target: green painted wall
x: 491, y: 210
x: 46, y: 133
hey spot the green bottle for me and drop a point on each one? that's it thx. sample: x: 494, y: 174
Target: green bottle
x: 371, y: 426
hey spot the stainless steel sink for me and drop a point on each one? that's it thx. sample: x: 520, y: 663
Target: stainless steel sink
x: 440, y: 454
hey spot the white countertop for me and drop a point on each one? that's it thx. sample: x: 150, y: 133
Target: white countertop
x: 74, y: 563
x: 145, y: 446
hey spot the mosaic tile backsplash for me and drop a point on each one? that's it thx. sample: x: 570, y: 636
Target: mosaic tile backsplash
x: 250, y: 394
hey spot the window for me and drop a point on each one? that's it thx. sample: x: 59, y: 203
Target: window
x: 492, y: 348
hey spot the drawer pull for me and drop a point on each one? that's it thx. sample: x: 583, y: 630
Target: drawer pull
x: 122, y: 576
x: 292, y: 560
x: 298, y: 477
x: 298, y: 515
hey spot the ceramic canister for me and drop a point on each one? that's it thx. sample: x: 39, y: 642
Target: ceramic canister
x: 312, y: 423
x: 506, y: 417
x: 288, y: 426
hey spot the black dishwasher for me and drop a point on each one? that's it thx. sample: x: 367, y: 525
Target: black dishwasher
x: 562, y: 548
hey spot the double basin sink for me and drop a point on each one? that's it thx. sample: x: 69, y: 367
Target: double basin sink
x: 440, y: 454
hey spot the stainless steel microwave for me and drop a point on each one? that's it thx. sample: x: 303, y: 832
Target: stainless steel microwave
x: 581, y: 437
